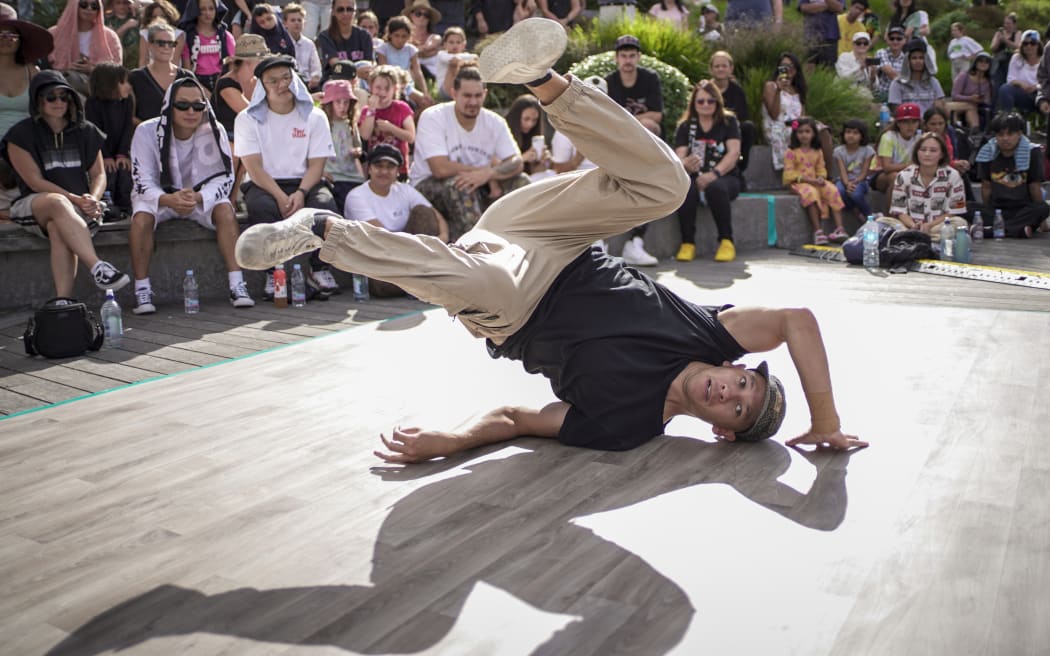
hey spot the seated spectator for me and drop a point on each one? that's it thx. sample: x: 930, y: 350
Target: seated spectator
x: 1010, y: 168
x: 822, y: 30
x: 896, y: 145
x: 284, y: 143
x: 961, y: 50
x: 972, y: 91
x: 111, y: 109
x: 708, y: 143
x: 265, y: 24
x: 395, y: 206
x: 854, y: 66
x: 1005, y: 42
x: 891, y: 62
x: 1022, y: 79
x: 805, y: 175
x: 343, y: 41
x: 784, y: 97
x: 122, y: 20
x: 165, y: 12
x: 448, y: 60
x: 207, y: 41
x: 397, y: 51
x: 309, y: 64
x: 460, y: 148
x: 425, y: 35
x: 232, y: 91
x: 935, y: 121
x: 735, y: 100
x: 21, y: 44
x: 927, y: 192
x: 492, y: 16
x: 343, y: 170
x: 81, y: 41
x: 853, y: 159
x: 524, y: 9
x: 918, y: 86
x: 916, y: 22
x: 525, y: 121
x: 709, y: 28
x: 672, y: 11
x: 183, y: 170
x: 563, y: 11
x: 57, y: 159
x: 385, y: 119
x: 1042, y: 100
x: 151, y: 82
x: 851, y: 23
x: 369, y: 22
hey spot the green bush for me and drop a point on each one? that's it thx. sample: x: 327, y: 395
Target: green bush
x: 659, y: 39
x: 761, y: 49
x: 676, y: 86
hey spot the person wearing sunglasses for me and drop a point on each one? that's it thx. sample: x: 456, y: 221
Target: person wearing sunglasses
x: 891, y: 62
x: 855, y: 65
x: 81, y: 41
x: 183, y: 170
x: 851, y: 22
x: 1022, y: 78
x: 151, y: 81
x: 343, y: 40
x: 57, y: 158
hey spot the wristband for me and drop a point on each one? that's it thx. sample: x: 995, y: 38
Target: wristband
x: 305, y: 192
x: 718, y: 174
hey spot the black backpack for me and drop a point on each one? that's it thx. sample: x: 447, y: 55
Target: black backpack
x: 63, y: 328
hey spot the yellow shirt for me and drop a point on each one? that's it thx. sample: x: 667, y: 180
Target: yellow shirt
x: 847, y: 30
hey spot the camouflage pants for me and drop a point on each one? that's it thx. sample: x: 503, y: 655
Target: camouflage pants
x: 460, y: 208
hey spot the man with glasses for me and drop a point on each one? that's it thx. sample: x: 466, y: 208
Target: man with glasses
x: 182, y: 169
x: 891, y: 62
x: 343, y: 40
x: 284, y: 143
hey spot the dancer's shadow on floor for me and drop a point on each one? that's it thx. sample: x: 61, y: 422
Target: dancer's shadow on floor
x: 503, y: 524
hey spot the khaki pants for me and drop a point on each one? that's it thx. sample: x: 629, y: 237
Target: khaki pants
x: 493, y: 277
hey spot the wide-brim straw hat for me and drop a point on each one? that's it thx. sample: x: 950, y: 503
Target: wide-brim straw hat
x: 435, y: 15
x: 34, y: 41
x: 249, y: 46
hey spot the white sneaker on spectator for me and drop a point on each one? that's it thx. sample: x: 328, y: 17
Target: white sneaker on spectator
x: 239, y: 295
x: 635, y: 255
x: 523, y: 53
x: 324, y: 281
x: 265, y: 245
x: 144, y: 301
x: 108, y: 276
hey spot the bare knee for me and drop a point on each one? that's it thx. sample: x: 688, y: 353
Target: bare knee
x: 143, y: 221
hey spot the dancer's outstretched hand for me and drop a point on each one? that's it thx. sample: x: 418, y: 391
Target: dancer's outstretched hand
x: 408, y: 445
x: 835, y: 440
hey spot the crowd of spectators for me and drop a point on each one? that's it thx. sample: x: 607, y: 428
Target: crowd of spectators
x: 187, y: 109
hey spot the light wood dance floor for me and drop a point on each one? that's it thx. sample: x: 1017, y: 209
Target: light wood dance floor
x: 237, y: 509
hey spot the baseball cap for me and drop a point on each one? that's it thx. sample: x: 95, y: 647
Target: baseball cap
x: 861, y: 36
x: 385, y: 153
x: 908, y: 112
x: 1030, y: 35
x: 628, y: 41
x: 773, y: 409
x: 709, y: 8
x: 896, y: 29
x: 342, y: 70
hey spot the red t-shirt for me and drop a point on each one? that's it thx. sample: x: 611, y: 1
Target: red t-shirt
x: 397, y: 113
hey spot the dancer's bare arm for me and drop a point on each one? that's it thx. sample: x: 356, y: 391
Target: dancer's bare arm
x: 407, y: 445
x: 764, y: 329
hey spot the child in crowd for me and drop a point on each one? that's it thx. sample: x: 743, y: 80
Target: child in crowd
x: 343, y: 170
x: 264, y: 23
x: 806, y: 176
x: 895, y: 146
x: 369, y: 22
x: 452, y: 55
x: 852, y: 164
x: 961, y: 50
x: 165, y: 12
x: 121, y: 19
x: 208, y: 42
x: 111, y: 108
x: 387, y: 119
x: 306, y: 58
x: 397, y: 51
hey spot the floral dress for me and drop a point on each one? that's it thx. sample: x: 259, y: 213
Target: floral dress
x: 778, y: 133
x: 809, y: 163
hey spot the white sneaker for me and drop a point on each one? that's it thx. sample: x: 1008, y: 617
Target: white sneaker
x: 635, y: 255
x: 144, y: 302
x: 523, y: 53
x: 239, y: 297
x: 324, y: 281
x: 266, y: 245
x: 108, y: 276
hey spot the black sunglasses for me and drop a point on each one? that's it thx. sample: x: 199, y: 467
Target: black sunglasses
x: 58, y: 96
x: 420, y: 14
x: 345, y: 10
x: 896, y: 38
x: 862, y: 42
x: 93, y: 6
x: 186, y: 105
x: 164, y: 43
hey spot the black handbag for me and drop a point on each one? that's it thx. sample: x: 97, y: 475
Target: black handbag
x: 63, y: 328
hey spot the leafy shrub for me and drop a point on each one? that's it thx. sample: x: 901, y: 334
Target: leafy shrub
x: 659, y: 39
x: 761, y: 49
x: 676, y: 86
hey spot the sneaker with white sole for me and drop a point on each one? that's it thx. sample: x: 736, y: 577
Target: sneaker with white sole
x: 108, y: 276
x: 523, y: 53
x: 265, y: 245
x: 144, y: 302
x: 239, y: 297
x: 324, y: 281
x: 635, y: 255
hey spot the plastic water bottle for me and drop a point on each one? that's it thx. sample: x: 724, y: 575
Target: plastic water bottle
x: 978, y: 228
x: 112, y: 321
x: 190, y: 294
x: 998, y: 226
x: 298, y: 287
x: 963, y: 246
x: 280, y: 287
x: 871, y: 243
x: 884, y: 115
x: 360, y: 287
x: 947, y: 241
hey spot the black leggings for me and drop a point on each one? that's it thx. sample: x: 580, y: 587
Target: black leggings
x: 720, y: 195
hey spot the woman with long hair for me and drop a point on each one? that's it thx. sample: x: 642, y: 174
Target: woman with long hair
x: 424, y: 19
x: 973, y: 89
x: 152, y: 81
x: 1005, y: 42
x: 916, y: 23
x: 81, y: 41
x: 783, y: 101
x: 524, y: 120
x: 207, y: 41
x: 1022, y: 82
x: 343, y: 40
x: 672, y: 11
x: 928, y: 192
x: 708, y: 143
x: 232, y: 91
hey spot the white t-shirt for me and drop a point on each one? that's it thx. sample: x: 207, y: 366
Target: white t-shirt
x: 363, y: 204
x: 562, y: 151
x: 184, y: 152
x: 84, y: 39
x: 963, y: 47
x: 440, y: 134
x: 284, y: 142
x: 442, y: 60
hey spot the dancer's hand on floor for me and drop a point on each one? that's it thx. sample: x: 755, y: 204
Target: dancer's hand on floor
x: 408, y: 445
x: 837, y: 440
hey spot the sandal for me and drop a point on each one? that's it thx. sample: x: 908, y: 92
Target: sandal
x: 819, y: 238
x: 839, y: 235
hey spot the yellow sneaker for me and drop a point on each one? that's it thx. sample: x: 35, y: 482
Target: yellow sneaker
x: 726, y: 251
x: 686, y: 253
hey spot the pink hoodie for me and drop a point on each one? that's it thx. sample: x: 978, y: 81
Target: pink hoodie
x: 105, y: 44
